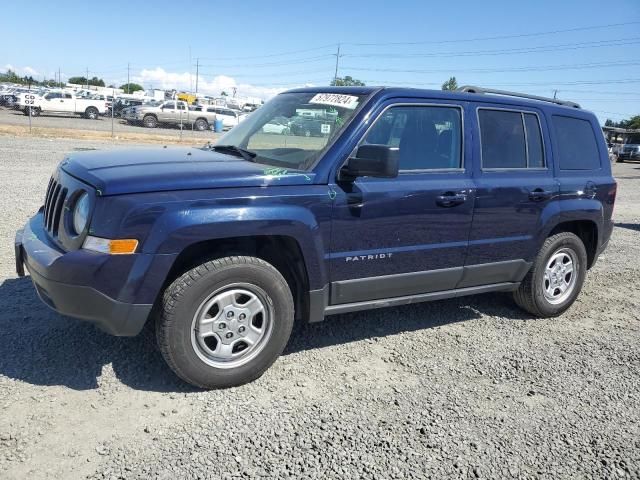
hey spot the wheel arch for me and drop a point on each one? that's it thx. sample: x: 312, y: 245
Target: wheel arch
x: 586, y: 230
x: 284, y: 252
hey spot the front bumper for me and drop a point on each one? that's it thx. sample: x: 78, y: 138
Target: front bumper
x: 54, y: 274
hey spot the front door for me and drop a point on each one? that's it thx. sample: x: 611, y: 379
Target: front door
x: 167, y: 112
x: 514, y: 187
x: 407, y: 235
x: 67, y: 103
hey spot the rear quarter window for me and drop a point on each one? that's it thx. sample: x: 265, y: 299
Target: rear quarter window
x: 577, y: 145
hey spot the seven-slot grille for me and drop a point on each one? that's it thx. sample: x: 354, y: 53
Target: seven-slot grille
x: 53, y: 205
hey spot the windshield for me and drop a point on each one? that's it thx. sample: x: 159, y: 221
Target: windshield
x: 293, y: 129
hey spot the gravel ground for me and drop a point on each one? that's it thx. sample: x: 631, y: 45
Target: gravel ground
x: 466, y: 388
x: 75, y: 122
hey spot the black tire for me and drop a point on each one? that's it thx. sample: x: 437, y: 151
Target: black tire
x: 91, y: 113
x: 530, y: 295
x: 150, y: 121
x: 201, y: 125
x: 619, y: 160
x: 35, y: 111
x: 181, y: 303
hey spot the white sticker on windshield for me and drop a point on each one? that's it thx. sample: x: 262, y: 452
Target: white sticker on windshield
x: 325, y: 128
x: 336, y: 99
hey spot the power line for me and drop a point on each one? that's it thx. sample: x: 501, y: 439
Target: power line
x: 498, y: 52
x: 578, y: 66
x: 497, y: 37
x: 291, y: 52
x: 516, y: 84
x: 271, y: 64
x: 261, y: 75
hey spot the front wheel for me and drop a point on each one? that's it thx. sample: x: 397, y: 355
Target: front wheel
x: 224, y: 322
x: 556, y: 278
x: 150, y: 121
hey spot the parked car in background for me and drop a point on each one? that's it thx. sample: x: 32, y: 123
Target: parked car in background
x: 279, y: 125
x: 172, y: 112
x: 311, y: 127
x: 630, y: 150
x: 120, y: 104
x: 61, y: 102
x: 230, y: 118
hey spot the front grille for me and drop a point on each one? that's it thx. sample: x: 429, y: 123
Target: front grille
x: 53, y: 206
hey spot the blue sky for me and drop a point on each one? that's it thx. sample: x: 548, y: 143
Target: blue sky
x: 263, y: 47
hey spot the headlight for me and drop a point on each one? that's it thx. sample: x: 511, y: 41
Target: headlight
x: 81, y: 213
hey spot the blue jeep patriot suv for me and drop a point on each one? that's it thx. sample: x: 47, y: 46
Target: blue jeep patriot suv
x: 403, y: 196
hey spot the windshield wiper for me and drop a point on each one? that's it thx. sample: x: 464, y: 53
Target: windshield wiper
x: 248, y: 155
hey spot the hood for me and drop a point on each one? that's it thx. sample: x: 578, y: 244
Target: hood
x: 115, y: 172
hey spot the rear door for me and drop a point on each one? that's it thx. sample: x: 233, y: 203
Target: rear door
x: 405, y: 235
x: 515, y: 189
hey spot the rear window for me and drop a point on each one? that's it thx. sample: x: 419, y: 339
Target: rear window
x: 577, y: 145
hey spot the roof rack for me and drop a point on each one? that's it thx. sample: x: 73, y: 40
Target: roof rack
x: 481, y: 90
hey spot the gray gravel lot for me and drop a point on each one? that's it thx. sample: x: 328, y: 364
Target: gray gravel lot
x: 466, y: 388
x: 75, y: 122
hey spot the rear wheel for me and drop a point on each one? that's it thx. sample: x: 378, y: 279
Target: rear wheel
x: 150, y: 121
x: 556, y: 278
x: 91, y: 113
x: 201, y: 125
x: 619, y: 160
x: 224, y: 322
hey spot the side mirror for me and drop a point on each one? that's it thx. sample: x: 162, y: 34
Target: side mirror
x: 372, y: 161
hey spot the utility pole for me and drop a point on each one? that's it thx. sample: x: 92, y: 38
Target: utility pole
x: 197, y: 70
x: 555, y: 93
x: 59, y: 78
x: 337, y: 54
x: 128, y: 65
x: 87, y: 78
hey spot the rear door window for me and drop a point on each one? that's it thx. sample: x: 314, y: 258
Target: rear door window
x: 577, y: 145
x: 510, y: 139
x: 535, y: 148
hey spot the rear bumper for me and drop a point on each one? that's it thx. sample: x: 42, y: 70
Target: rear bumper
x: 68, y: 282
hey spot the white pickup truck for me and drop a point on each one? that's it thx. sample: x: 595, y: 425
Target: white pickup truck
x: 61, y: 102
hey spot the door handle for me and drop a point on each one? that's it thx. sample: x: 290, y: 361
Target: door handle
x: 451, y: 199
x: 540, y: 194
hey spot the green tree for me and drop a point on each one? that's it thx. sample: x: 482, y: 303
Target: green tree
x: 131, y: 87
x: 450, y: 84
x: 95, y: 81
x: 10, y: 76
x: 347, y: 81
x: 633, y: 123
